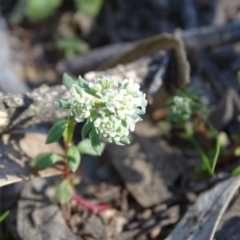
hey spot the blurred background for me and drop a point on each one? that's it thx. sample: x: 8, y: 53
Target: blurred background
x: 44, y: 33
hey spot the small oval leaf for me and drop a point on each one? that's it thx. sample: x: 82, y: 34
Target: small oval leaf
x: 82, y: 82
x: 67, y: 81
x: 91, y: 8
x: 84, y: 85
x: 125, y: 140
x: 64, y: 191
x: 63, y: 103
x: 86, y: 128
x: 56, y: 131
x: 85, y: 147
x: 73, y: 157
x: 45, y: 160
x: 95, y: 141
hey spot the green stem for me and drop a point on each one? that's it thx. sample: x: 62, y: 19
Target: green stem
x: 216, y: 155
x: 67, y: 137
x: 70, y: 131
x: 209, y: 124
x: 212, y: 128
x: 202, y: 154
x: 100, y: 105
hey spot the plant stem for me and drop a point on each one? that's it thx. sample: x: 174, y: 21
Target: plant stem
x: 67, y: 143
x: 91, y: 207
x: 216, y: 155
x: 67, y: 137
x: 202, y: 154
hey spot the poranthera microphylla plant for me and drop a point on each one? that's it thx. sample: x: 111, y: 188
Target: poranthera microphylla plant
x: 189, y: 113
x: 110, y: 115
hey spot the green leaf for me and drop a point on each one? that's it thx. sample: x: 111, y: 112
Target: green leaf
x: 90, y: 7
x: 4, y: 215
x: 67, y: 81
x: 63, y: 103
x: 125, y: 140
x: 72, y: 45
x: 86, y: 128
x: 56, y: 131
x: 84, y: 85
x: 237, y: 152
x: 136, y: 117
x: 236, y: 171
x: 37, y: 10
x: 78, y: 90
x: 96, y: 141
x: 64, y: 191
x: 140, y: 111
x: 82, y: 82
x: 73, y: 157
x: 44, y: 160
x: 85, y: 147
x: 124, y: 123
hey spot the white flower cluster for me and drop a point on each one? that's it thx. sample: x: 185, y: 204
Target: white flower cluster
x: 114, y: 113
x: 80, y: 108
x: 182, y: 105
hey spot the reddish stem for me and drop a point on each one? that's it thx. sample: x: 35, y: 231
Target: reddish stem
x: 66, y: 168
x: 230, y: 155
x: 67, y: 175
x: 89, y: 206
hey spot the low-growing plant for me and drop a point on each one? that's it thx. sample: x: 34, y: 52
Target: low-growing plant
x: 109, y: 114
x: 189, y: 114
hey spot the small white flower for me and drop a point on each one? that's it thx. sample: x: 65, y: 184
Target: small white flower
x: 80, y: 108
x: 106, y: 82
x: 101, y: 84
x: 97, y: 122
x: 96, y: 87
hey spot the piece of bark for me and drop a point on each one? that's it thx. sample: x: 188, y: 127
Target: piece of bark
x: 9, y: 81
x: 89, y: 61
x: 141, y: 70
x: 209, y: 67
x: 189, y: 14
x: 211, y: 36
x: 201, y: 221
x: 228, y: 228
x: 148, y: 166
x: 225, y: 11
x: 32, y: 108
x: 39, y: 219
x: 195, y: 39
x: 227, y: 110
x: 15, y: 152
